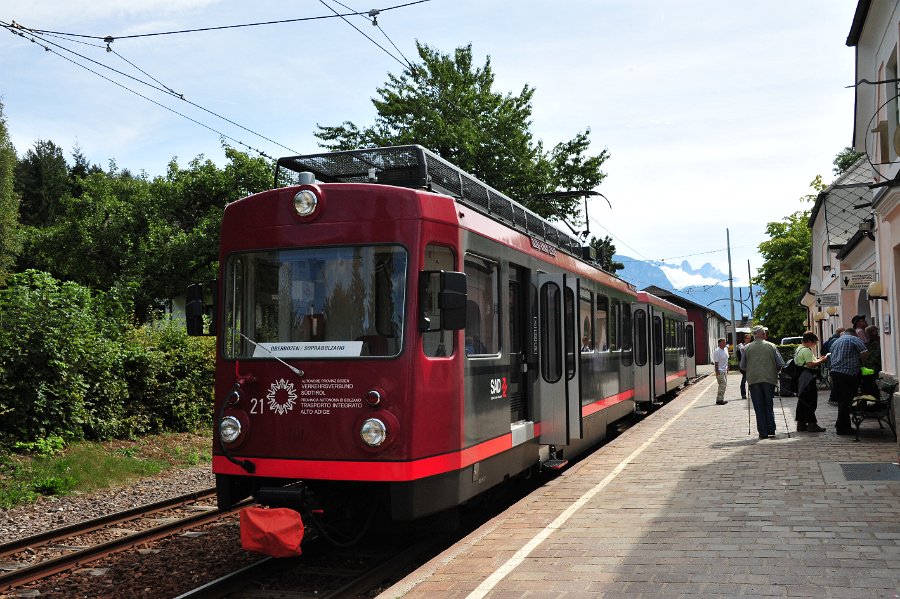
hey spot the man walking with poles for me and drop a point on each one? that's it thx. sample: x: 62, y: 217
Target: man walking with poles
x: 762, y: 362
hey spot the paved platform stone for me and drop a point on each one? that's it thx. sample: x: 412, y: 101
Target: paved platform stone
x: 688, y: 504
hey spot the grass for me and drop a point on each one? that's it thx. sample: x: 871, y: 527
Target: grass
x: 50, y: 469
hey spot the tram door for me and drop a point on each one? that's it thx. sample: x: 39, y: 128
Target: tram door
x: 556, y: 390
x: 519, y: 356
x: 690, y: 356
x: 658, y: 352
x: 643, y: 367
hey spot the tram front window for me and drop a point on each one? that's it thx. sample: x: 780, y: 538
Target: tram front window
x: 337, y: 302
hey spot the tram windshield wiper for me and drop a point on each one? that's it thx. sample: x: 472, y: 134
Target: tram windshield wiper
x: 296, y: 371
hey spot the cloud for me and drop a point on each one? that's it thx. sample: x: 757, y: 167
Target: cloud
x: 681, y: 279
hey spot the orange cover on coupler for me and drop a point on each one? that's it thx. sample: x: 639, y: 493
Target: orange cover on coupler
x: 271, y: 531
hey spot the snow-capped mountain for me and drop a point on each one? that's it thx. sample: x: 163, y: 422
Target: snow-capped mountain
x: 706, y: 286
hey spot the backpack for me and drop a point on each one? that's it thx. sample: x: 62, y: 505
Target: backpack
x: 791, y: 371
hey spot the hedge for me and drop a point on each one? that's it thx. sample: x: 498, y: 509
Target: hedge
x: 73, y: 365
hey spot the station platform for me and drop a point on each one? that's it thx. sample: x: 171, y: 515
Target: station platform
x: 687, y: 504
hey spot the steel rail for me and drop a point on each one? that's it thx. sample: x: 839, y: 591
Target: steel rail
x: 223, y: 585
x: 97, y: 523
x: 62, y: 563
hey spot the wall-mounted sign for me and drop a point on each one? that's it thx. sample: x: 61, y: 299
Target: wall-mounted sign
x: 856, y: 279
x: 827, y: 299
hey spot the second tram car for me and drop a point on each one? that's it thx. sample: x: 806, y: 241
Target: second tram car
x: 393, y: 333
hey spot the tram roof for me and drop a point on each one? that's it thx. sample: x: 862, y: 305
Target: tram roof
x: 417, y: 167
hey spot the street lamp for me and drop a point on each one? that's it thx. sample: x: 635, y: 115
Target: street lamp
x: 819, y: 317
x: 876, y: 291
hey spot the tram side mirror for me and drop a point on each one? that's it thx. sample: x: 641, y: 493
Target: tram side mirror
x: 200, y: 304
x: 442, y: 301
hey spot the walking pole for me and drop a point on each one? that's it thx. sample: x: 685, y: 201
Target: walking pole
x: 786, y: 427
x: 748, y: 409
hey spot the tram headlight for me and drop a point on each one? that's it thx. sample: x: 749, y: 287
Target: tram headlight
x: 305, y: 202
x: 229, y: 429
x: 373, y: 432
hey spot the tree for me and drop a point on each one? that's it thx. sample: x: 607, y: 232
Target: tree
x: 10, y: 235
x: 182, y: 244
x: 449, y: 106
x: 42, y: 178
x: 785, y: 270
x: 845, y: 159
x: 605, y: 251
x: 148, y: 239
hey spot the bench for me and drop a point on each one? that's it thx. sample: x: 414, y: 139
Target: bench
x: 864, y: 407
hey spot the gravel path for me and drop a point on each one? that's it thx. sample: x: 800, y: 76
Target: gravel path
x: 160, y: 569
x: 53, y: 512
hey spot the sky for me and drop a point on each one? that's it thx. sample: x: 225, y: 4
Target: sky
x: 717, y: 115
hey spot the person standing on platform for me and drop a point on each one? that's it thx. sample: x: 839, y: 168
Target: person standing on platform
x: 762, y: 362
x: 826, y: 347
x: 871, y: 364
x: 740, y: 351
x: 720, y: 364
x: 859, y: 327
x: 807, y: 393
x: 844, y: 364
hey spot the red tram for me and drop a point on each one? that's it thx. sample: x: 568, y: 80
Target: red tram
x: 394, y: 333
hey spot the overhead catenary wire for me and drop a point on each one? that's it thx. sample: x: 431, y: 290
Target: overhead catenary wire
x: 110, y: 38
x: 17, y: 28
x: 373, y: 14
x: 703, y: 253
x: 619, y: 239
x: 363, y: 33
x: 113, y: 81
x: 40, y: 41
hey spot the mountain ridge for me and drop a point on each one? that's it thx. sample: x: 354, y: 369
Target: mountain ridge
x: 706, y: 286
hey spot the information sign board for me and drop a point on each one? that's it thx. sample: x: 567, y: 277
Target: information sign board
x: 827, y: 299
x: 856, y: 279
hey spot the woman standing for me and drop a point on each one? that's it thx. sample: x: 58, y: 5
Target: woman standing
x: 748, y: 338
x: 807, y: 393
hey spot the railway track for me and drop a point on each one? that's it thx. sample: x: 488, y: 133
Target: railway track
x: 326, y: 576
x: 73, y: 553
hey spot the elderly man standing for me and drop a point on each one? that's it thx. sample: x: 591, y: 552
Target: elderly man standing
x: 762, y: 362
x: 720, y: 363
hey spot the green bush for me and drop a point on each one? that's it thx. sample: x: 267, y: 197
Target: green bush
x: 73, y: 366
x: 47, y: 336
x: 170, y: 377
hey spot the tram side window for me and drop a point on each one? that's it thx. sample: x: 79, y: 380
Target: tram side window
x: 640, y: 328
x: 657, y: 340
x: 551, y: 335
x: 626, y: 335
x: 615, y: 308
x: 587, y: 329
x: 234, y: 309
x: 571, y: 340
x: 482, y: 318
x: 602, y: 331
x: 437, y: 343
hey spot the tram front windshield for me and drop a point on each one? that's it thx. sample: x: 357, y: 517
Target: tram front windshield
x: 336, y: 302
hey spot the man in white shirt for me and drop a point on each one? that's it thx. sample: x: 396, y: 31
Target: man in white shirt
x: 720, y: 364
